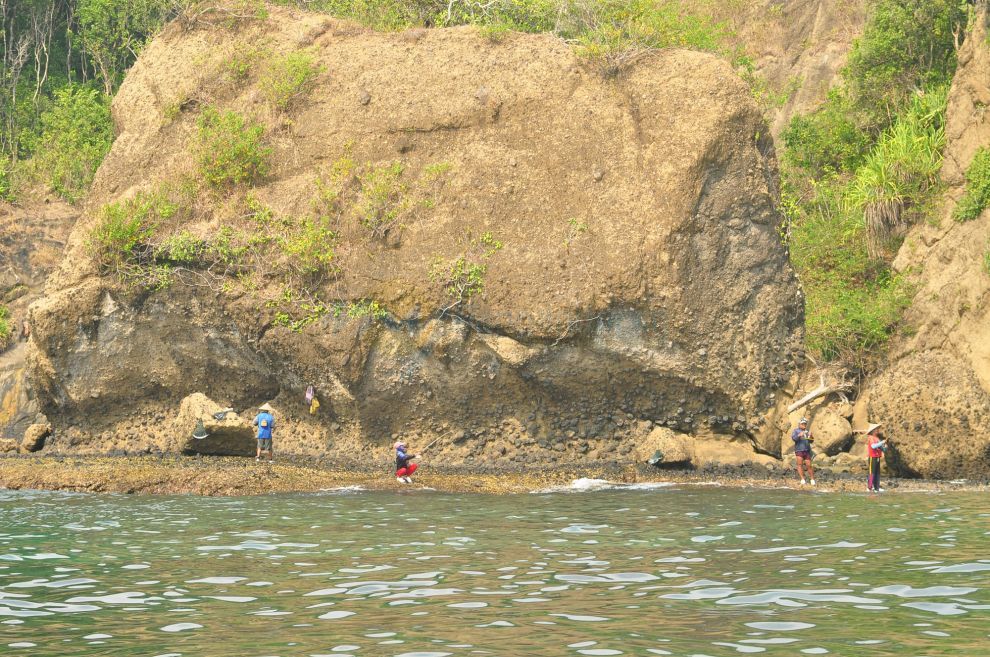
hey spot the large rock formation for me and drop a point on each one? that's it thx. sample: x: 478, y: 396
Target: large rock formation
x: 934, y: 397
x: 640, y: 279
x: 31, y: 244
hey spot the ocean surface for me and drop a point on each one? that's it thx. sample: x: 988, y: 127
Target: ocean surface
x: 580, y: 571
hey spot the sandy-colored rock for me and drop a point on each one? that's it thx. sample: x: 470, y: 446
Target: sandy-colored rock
x: 861, y: 412
x: 675, y: 448
x: 831, y: 431
x: 7, y: 445
x: 939, y: 430
x: 509, y: 351
x: 967, y: 125
x: 676, y: 305
x: 846, y: 462
x: 34, y: 437
x: 798, y: 47
x: 725, y: 452
x: 231, y: 436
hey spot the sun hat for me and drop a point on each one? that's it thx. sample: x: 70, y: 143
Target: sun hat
x: 804, y: 420
x: 870, y: 428
x: 265, y: 407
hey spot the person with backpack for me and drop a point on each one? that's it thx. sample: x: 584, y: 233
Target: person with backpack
x: 403, y: 466
x: 265, y: 422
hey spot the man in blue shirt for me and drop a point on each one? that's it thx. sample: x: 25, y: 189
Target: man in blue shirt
x: 265, y: 422
x: 802, y: 450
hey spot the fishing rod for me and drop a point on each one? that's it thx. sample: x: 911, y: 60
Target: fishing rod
x: 435, y: 440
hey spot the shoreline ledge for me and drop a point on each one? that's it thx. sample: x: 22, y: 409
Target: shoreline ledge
x: 229, y: 476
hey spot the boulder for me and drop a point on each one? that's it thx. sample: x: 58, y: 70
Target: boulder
x: 675, y: 448
x: 831, y: 431
x: 675, y: 300
x: 843, y: 409
x: 708, y: 451
x: 848, y: 463
x: 34, y: 437
x: 937, y: 430
x: 7, y: 445
x: 231, y: 436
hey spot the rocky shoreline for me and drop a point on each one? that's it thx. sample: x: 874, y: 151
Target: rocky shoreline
x: 227, y: 476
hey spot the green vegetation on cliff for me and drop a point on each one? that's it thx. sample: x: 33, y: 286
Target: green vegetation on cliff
x: 864, y: 166
x: 6, y: 328
x: 60, y: 62
x: 977, y: 196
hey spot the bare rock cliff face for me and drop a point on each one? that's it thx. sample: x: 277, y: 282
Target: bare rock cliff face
x: 798, y: 46
x: 673, y: 304
x: 31, y: 245
x: 935, y: 394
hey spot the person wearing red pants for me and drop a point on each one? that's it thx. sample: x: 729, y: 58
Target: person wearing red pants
x: 403, y: 468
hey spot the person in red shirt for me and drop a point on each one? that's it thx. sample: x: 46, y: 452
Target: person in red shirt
x: 876, y: 445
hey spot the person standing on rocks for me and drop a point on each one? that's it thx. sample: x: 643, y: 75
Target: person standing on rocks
x: 403, y: 467
x: 265, y: 422
x: 802, y: 450
x: 876, y: 445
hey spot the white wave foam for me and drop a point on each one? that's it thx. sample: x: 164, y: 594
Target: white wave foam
x: 344, y: 489
x: 587, y: 484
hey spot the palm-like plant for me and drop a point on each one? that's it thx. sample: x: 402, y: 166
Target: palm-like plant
x: 901, y: 170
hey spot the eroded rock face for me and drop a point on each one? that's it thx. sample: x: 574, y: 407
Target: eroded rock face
x: 938, y: 431
x: 799, y: 46
x: 674, y: 305
x: 934, y: 397
x: 31, y: 244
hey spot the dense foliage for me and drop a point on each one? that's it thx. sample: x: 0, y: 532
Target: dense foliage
x: 862, y: 167
x: 977, y: 195
x: 60, y: 61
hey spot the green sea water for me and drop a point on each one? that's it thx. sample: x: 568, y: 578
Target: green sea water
x: 652, y: 571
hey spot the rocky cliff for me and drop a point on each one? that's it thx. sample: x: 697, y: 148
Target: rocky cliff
x: 32, y: 245
x: 935, y: 393
x: 618, y: 238
x: 797, y: 46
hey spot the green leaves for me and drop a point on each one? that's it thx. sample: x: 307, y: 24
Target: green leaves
x: 6, y: 328
x: 977, y: 195
x: 229, y: 149
x: 902, y: 170
x: 463, y: 277
x: 76, y: 134
x: 287, y: 78
x: 906, y: 45
x: 114, y: 32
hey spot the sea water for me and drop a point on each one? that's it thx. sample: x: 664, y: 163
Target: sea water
x: 663, y: 571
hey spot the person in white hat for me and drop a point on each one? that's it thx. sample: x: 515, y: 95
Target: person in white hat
x: 403, y: 466
x: 876, y: 445
x: 802, y: 450
x: 265, y: 422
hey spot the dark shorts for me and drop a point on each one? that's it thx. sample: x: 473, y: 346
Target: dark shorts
x: 265, y: 444
x: 801, y: 455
